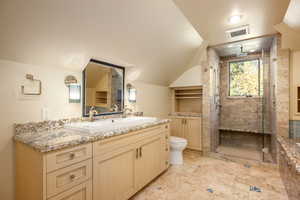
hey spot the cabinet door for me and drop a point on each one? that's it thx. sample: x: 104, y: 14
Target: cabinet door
x: 113, y: 177
x: 151, y: 161
x: 177, y: 127
x: 193, y: 133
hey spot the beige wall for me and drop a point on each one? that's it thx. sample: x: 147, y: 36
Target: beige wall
x: 191, y: 77
x: 294, y: 82
x: 153, y: 100
x: 15, y: 109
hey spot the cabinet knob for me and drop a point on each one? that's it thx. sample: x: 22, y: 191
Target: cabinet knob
x: 166, y: 126
x: 72, y: 177
x: 72, y: 155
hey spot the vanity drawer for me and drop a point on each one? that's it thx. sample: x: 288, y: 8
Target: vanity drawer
x: 60, y: 159
x: 66, y: 178
x: 106, y: 146
x: 80, y: 192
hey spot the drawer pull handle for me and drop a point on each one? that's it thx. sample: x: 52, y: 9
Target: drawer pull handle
x: 137, y: 153
x: 72, y: 177
x: 167, y: 149
x: 72, y: 155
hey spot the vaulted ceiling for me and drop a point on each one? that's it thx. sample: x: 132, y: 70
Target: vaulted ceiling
x: 211, y: 17
x: 156, y: 40
x: 292, y: 17
x: 152, y: 37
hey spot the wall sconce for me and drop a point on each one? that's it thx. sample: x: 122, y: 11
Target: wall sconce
x: 74, y: 89
x: 131, y: 93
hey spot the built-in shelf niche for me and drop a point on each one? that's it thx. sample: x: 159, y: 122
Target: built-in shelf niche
x: 101, y: 97
x: 187, y: 99
x: 298, y: 99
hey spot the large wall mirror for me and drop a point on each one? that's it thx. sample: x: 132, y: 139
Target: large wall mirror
x: 103, y: 88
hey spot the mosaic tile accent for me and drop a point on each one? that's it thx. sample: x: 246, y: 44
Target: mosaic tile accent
x: 294, y: 131
x: 50, y: 135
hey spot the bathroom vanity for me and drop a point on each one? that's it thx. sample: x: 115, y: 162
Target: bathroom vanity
x: 76, y: 163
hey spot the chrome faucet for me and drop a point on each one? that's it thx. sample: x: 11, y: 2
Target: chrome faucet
x: 125, y: 111
x: 92, y: 114
x: 115, y: 108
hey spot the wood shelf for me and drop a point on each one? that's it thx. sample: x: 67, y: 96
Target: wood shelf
x: 188, y: 93
x: 188, y: 97
x: 187, y: 100
x: 101, y: 97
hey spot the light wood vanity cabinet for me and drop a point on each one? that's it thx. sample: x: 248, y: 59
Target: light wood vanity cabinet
x: 189, y: 128
x: 110, y: 169
x: 187, y: 102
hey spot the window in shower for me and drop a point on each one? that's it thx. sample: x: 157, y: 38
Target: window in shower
x: 245, y: 78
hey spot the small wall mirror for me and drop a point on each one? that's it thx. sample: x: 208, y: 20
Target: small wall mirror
x: 103, y: 88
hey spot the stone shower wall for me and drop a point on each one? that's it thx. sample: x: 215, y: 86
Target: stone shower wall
x: 210, y: 112
x: 282, y: 90
x: 239, y: 113
x: 273, y: 69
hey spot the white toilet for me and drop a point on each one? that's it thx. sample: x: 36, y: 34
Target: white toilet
x: 177, y: 145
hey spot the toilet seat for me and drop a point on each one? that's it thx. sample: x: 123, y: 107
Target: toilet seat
x: 176, y: 140
x: 177, y: 145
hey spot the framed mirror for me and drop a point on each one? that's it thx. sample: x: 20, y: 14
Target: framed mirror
x: 103, y: 88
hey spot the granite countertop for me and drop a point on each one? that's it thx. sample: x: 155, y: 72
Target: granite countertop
x: 46, y: 139
x: 291, y: 150
x: 185, y: 114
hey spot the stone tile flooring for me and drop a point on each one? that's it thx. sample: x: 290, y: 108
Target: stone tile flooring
x: 204, y: 178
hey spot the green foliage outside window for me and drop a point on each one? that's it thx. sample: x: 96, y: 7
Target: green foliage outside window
x: 245, y: 78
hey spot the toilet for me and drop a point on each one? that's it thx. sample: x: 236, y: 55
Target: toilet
x: 177, y: 145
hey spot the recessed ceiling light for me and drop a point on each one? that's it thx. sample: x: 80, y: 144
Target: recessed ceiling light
x: 234, y: 19
x: 252, y: 50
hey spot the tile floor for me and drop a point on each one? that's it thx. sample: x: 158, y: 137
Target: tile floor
x: 204, y: 178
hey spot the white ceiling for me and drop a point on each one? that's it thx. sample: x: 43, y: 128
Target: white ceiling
x: 292, y: 17
x: 211, y: 17
x: 153, y: 37
x: 249, y: 46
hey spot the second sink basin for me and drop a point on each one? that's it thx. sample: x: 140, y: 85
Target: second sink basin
x: 112, y: 124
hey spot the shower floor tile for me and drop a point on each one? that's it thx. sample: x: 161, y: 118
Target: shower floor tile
x: 240, y: 152
x: 205, y: 178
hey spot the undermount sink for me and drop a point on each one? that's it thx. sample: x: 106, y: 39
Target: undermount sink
x: 109, y: 124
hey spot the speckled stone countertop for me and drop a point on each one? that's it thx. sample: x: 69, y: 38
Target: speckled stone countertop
x: 291, y: 151
x: 51, y: 135
x: 185, y: 114
x: 244, y: 130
